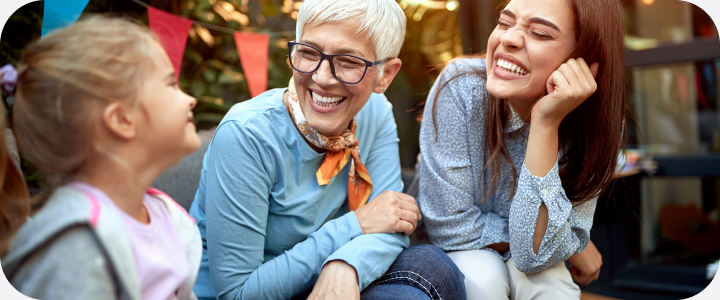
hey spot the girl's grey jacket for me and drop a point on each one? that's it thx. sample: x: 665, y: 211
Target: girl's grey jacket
x: 76, y: 248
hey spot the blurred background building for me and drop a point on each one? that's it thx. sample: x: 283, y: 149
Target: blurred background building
x: 657, y: 230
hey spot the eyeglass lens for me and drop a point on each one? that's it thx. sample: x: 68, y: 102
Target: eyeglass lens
x: 348, y: 69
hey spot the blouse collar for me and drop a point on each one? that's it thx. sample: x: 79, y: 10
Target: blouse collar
x: 515, y: 122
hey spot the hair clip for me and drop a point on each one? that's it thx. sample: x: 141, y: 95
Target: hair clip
x: 8, y: 78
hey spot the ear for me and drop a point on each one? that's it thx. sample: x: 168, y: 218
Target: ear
x: 121, y: 120
x: 594, y: 67
x: 390, y: 69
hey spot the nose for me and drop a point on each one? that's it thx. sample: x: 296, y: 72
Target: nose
x: 193, y: 101
x: 323, y: 75
x: 513, y: 38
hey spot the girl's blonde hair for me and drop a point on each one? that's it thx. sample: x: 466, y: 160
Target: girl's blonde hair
x: 66, y: 78
x: 14, y: 202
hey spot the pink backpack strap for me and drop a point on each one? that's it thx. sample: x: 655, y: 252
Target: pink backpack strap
x: 158, y: 193
x: 94, y: 209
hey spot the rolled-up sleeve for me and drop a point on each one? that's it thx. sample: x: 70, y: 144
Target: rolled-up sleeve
x: 568, y: 230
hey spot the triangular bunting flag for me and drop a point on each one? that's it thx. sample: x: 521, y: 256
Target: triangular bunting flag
x: 253, y: 51
x: 172, y: 31
x: 59, y: 14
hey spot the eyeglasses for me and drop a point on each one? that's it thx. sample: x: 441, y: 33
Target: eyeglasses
x: 345, y: 68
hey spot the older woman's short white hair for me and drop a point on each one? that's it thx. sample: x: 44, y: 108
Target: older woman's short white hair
x: 383, y: 20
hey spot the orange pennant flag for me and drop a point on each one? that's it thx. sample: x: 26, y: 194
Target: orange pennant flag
x: 172, y: 31
x: 253, y: 49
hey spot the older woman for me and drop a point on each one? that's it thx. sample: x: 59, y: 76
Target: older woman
x: 287, y: 205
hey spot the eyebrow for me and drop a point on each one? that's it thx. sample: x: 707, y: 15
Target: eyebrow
x: 170, y: 76
x: 533, y: 20
x: 342, y: 50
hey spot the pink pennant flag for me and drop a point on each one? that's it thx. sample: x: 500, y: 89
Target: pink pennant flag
x: 172, y: 31
x: 253, y: 51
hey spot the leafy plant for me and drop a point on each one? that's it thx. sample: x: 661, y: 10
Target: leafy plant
x: 212, y: 71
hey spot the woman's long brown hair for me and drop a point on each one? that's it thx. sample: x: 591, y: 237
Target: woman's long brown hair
x: 592, y: 134
x: 14, y: 200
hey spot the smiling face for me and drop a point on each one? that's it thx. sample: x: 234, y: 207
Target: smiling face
x: 169, y: 124
x: 532, y: 39
x: 328, y: 104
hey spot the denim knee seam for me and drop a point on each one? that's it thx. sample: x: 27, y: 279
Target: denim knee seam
x: 429, y: 292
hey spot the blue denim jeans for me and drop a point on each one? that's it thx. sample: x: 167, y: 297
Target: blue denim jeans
x: 419, y: 272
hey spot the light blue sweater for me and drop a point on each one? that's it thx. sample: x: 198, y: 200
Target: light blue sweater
x: 267, y: 226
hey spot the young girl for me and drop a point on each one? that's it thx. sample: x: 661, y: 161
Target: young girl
x: 99, y: 110
x: 517, y: 146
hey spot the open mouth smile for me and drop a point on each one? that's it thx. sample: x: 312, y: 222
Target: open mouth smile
x: 326, y: 101
x: 510, y: 67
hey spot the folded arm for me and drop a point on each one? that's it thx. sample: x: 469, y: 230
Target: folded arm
x: 539, y: 241
x: 372, y: 254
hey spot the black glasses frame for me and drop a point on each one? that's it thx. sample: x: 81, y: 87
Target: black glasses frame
x: 329, y: 58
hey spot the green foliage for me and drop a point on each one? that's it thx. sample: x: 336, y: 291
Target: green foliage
x: 211, y: 70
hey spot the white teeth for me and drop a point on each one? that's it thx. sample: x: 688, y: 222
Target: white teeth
x: 510, y: 67
x: 326, y: 101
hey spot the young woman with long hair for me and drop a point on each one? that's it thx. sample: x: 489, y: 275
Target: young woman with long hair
x: 518, y: 145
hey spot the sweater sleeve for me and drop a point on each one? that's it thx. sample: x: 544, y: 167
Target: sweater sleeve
x: 568, y: 230
x: 372, y: 254
x: 240, y: 176
x: 447, y: 196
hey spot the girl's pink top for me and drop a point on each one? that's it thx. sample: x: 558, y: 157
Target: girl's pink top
x: 160, y: 258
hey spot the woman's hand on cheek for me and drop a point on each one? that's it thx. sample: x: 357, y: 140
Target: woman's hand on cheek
x: 338, y: 280
x: 389, y: 212
x: 568, y: 87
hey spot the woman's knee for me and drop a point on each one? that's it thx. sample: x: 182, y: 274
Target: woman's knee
x: 485, y: 274
x: 432, y: 259
x: 430, y: 269
x: 553, y: 283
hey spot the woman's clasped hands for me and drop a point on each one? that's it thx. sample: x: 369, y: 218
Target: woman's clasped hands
x: 338, y: 280
x: 389, y: 212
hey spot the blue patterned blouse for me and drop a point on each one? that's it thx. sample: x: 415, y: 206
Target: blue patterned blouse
x: 452, y: 188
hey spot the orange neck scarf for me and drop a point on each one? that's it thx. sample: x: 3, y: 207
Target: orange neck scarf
x: 340, y: 149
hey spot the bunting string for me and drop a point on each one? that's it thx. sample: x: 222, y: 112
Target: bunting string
x: 252, y: 47
x: 274, y: 34
x: 172, y: 31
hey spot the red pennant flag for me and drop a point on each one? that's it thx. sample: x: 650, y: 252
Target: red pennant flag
x: 172, y: 31
x: 253, y: 51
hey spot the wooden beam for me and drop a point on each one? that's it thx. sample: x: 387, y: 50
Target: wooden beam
x: 674, y: 53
